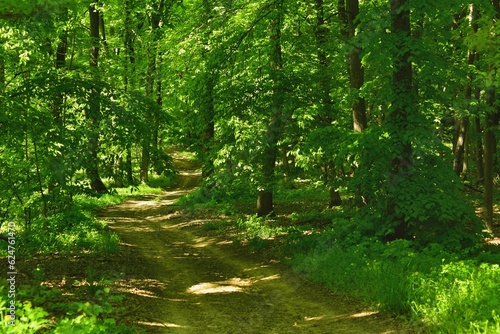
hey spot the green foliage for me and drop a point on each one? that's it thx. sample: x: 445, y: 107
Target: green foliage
x: 430, y: 285
x: 66, y: 233
x: 459, y: 296
x: 424, y: 194
x: 257, y: 227
x: 77, y: 317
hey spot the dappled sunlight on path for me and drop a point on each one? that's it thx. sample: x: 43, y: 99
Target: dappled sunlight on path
x: 178, y: 278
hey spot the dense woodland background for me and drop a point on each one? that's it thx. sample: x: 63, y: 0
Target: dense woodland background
x: 393, y: 102
x: 391, y: 105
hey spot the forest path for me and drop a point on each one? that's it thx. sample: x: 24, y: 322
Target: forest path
x: 180, y: 278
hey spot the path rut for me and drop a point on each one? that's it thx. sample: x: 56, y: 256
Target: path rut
x: 179, y: 278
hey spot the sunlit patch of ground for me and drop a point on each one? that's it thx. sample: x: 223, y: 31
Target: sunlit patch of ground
x: 235, y: 284
x: 178, y: 277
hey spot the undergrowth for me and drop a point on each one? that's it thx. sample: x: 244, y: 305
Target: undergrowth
x: 42, y: 309
x: 440, y: 288
x: 73, y: 230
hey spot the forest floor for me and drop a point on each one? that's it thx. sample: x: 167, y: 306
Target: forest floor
x: 181, y: 278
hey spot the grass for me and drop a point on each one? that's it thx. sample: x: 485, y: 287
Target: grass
x: 439, y: 290
x: 72, y: 232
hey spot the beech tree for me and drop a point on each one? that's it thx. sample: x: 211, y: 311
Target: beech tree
x: 361, y: 96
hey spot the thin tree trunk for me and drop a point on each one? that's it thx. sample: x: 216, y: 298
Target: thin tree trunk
x: 357, y: 75
x: 265, y: 205
x: 207, y: 98
x: 489, y: 151
x: 2, y: 72
x: 129, y: 63
x: 128, y: 167
x: 321, y: 34
x: 39, y: 180
x: 479, y: 151
x: 462, y: 125
x: 492, y: 119
x: 404, y: 102
x: 57, y: 109
x: 151, y: 75
x: 93, y: 110
x: 156, y: 133
x: 461, y: 130
x: 344, y: 28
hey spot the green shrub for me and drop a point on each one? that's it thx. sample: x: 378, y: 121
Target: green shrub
x: 447, y: 294
x: 459, y: 297
x: 72, y: 317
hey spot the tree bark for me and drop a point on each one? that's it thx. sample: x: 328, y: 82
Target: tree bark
x: 93, y: 110
x: 2, y: 73
x: 129, y: 72
x: 265, y: 205
x: 321, y: 34
x: 57, y: 111
x: 207, y: 98
x: 462, y: 124
x: 404, y: 101
x: 151, y: 77
x: 489, y: 151
x: 492, y: 120
x: 357, y: 73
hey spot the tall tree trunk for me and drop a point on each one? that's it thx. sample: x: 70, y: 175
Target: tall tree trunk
x: 57, y: 110
x: 344, y: 28
x: 479, y: 152
x: 128, y: 167
x: 147, y: 138
x: 93, y: 110
x: 151, y: 75
x: 265, y: 205
x: 321, y: 34
x: 462, y: 124
x: 156, y: 130
x: 404, y: 101
x: 207, y: 106
x: 489, y: 151
x: 128, y: 79
x: 492, y: 119
x: 2, y: 72
x: 357, y: 75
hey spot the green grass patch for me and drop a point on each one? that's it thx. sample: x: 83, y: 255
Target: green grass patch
x: 41, y: 309
x: 431, y: 286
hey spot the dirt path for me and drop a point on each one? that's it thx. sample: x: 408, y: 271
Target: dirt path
x: 179, y: 278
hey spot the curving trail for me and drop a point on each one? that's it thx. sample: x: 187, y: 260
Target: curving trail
x: 179, y: 278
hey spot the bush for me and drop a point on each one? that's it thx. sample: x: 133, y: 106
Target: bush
x: 72, y: 317
x: 447, y: 294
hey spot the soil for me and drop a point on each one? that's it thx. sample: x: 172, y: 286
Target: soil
x: 181, y: 278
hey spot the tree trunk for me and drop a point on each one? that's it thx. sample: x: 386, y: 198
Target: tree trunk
x: 344, y: 27
x: 128, y: 167
x: 462, y: 125
x: 2, y: 72
x: 461, y: 130
x: 151, y: 75
x: 404, y: 102
x: 489, y: 151
x: 357, y: 75
x: 93, y: 109
x: 265, y: 205
x: 129, y: 54
x: 158, y: 165
x: 207, y: 106
x: 57, y: 110
x: 321, y: 34
x: 479, y: 151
